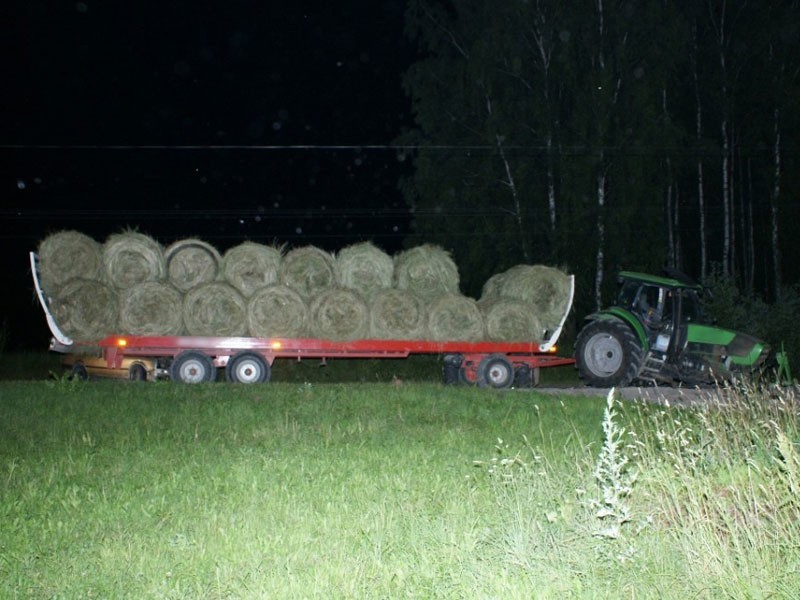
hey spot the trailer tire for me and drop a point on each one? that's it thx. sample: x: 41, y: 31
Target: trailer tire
x: 247, y: 367
x: 137, y: 372
x: 192, y: 366
x: 495, y: 371
x: 451, y: 369
x: 526, y: 377
x: 608, y: 354
x: 78, y: 373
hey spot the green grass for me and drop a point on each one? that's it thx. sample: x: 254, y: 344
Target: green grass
x: 28, y: 365
x: 296, y: 490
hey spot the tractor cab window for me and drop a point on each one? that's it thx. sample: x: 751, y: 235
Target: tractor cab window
x: 691, y: 311
x: 629, y: 294
x: 651, y: 304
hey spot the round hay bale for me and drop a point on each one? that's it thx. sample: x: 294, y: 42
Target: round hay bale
x: 131, y: 258
x: 68, y: 255
x: 338, y: 314
x: 397, y: 315
x: 426, y: 270
x: 86, y: 309
x: 215, y: 309
x: 364, y: 268
x: 251, y: 266
x: 453, y: 317
x: 510, y: 320
x: 191, y: 262
x: 307, y: 270
x: 277, y: 311
x: 546, y: 289
x: 151, y: 308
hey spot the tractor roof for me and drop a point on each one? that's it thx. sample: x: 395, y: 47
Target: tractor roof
x: 672, y: 282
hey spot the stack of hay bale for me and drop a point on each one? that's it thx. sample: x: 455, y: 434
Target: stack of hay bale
x: 130, y: 284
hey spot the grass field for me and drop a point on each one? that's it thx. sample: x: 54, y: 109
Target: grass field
x: 378, y: 490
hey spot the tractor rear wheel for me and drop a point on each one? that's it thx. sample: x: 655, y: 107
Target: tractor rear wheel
x: 608, y: 354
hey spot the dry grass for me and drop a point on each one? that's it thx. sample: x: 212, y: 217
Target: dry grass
x: 151, y: 308
x: 215, y: 309
x: 251, y: 266
x: 398, y: 315
x: 131, y: 258
x: 426, y: 270
x: 455, y: 318
x: 307, y: 270
x: 364, y: 268
x: 192, y: 262
x: 86, y: 309
x: 68, y: 255
x: 339, y: 314
x: 277, y: 311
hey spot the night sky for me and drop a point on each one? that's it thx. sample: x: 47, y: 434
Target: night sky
x: 247, y: 119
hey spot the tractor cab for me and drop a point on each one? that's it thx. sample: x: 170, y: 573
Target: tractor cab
x: 663, y: 307
x: 656, y: 332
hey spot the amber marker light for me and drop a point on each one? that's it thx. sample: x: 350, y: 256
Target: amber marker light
x: 122, y: 342
x: 276, y: 345
x: 553, y: 349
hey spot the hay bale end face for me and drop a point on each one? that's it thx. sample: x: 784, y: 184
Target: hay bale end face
x: 453, y: 317
x: 215, y: 309
x: 191, y: 262
x: 132, y: 258
x: 86, y: 309
x: 364, y: 268
x: 277, y: 311
x: 545, y: 289
x: 510, y: 320
x: 251, y: 266
x: 151, y: 308
x: 398, y: 315
x: 426, y: 270
x: 338, y: 314
x: 307, y: 270
x: 68, y: 255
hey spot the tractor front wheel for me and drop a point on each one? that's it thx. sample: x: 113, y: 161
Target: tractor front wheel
x: 608, y: 354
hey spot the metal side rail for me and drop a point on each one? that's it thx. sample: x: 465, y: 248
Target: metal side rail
x: 61, y: 341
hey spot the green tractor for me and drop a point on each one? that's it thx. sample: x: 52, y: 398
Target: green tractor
x: 655, y: 333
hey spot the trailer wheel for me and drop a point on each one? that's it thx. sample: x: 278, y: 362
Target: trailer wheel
x: 451, y: 369
x: 192, y: 366
x: 247, y: 367
x: 608, y: 354
x: 526, y: 377
x: 495, y: 371
x: 137, y: 372
x: 78, y: 372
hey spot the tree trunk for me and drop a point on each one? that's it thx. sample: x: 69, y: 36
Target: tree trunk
x: 517, y: 212
x: 726, y: 200
x: 551, y: 185
x: 669, y: 212
x: 700, y: 186
x: 601, y: 239
x: 775, y: 197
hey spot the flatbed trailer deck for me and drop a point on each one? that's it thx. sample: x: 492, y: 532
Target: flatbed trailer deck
x: 196, y: 359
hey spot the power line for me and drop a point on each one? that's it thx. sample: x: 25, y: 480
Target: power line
x: 568, y: 150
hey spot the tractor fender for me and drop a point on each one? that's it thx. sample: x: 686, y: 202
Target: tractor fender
x: 624, y: 316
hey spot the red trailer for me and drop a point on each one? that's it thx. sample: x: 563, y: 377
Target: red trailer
x: 193, y: 359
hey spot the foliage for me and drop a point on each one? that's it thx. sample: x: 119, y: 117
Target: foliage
x: 552, y: 135
x: 730, y: 307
